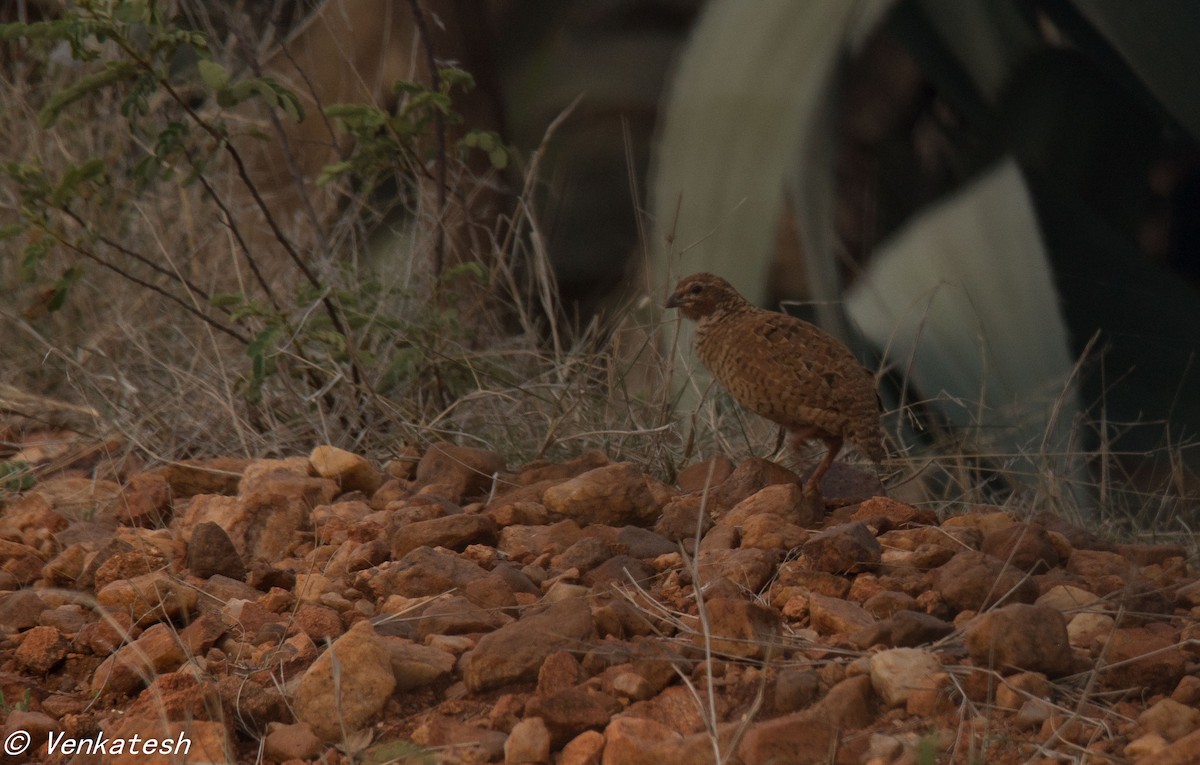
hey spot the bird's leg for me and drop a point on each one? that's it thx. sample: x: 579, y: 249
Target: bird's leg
x: 814, y: 482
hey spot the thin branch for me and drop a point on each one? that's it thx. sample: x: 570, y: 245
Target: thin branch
x: 439, y: 122
x: 153, y: 288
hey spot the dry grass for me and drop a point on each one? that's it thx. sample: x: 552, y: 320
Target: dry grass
x: 503, y: 370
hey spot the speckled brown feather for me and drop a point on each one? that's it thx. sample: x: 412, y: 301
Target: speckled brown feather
x: 783, y: 368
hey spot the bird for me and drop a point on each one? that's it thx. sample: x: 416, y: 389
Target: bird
x: 785, y: 369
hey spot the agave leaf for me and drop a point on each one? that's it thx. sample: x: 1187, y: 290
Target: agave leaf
x: 964, y: 302
x: 1159, y: 47
x: 749, y: 89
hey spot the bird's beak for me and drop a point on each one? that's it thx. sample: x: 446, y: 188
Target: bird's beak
x: 673, y: 301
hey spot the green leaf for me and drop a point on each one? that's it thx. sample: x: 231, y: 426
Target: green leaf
x: 265, y: 342
x: 75, y: 177
x: 11, y: 230
x: 452, y: 76
x: 332, y: 172
x: 34, y: 252
x: 226, y: 300
x: 113, y: 72
x: 62, y: 287
x: 16, y: 475
x: 214, y: 75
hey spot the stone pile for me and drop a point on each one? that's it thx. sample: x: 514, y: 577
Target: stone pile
x: 443, y: 609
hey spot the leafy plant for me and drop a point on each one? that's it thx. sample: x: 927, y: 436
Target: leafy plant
x: 15, y: 476
x: 319, y: 328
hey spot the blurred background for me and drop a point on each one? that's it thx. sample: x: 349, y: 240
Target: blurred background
x: 996, y: 203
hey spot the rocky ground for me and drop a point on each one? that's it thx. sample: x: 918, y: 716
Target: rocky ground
x: 441, y: 608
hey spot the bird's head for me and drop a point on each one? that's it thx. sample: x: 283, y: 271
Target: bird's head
x: 700, y: 296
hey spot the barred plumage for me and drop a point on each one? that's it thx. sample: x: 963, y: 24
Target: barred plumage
x: 783, y: 368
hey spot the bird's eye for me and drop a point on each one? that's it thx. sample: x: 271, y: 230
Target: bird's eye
x: 696, y: 289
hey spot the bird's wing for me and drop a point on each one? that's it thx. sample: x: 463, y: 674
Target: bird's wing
x: 785, y: 369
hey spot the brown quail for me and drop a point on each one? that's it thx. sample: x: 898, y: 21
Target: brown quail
x: 783, y: 368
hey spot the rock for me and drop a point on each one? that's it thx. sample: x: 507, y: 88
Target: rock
x: 685, y: 517
x: 107, y: 634
x: 520, y: 542
x: 459, y: 741
x: 456, y: 615
x: 349, y: 470
x: 423, y: 572
x: 218, y: 475
x: 569, y: 712
x: 914, y: 628
x: 320, y: 623
x: 67, y: 619
x: 613, y: 495
x: 1143, y: 658
x: 850, y: 484
x: 66, y: 569
x: 785, y: 501
x: 1095, y: 565
x: 40, y: 650
x: 751, y: 476
x: 145, y: 500
x: 211, y: 552
x: 938, y: 695
x: 491, y: 591
x: 1022, y: 637
x: 884, y: 513
x: 848, y: 548
x: 464, y: 471
x: 347, y: 685
x: 808, y: 737
x: 834, y: 616
x: 1015, y: 690
x: 584, y: 555
x: 206, y: 740
x: 148, y: 598
x: 516, y: 650
x: 1090, y: 630
x: 634, y: 740
x: 985, y: 520
x: 265, y: 520
x: 454, y: 532
x: 1067, y: 599
x: 584, y: 749
x: 709, y: 473
x: 529, y: 742
x: 38, y: 725
x: 620, y: 570
x: 748, y: 569
x: 1026, y: 546
x: 644, y: 543
x: 560, y: 471
x: 974, y: 581
x: 883, y: 604
x: 415, y: 666
x: 739, y: 628
x: 78, y: 498
x: 20, y: 610
x: 796, y: 689
x: 559, y: 672
x: 312, y: 588
x: 770, y: 532
x: 897, y: 672
x: 1170, y: 719
x: 292, y: 742
x: 793, y: 573
x: 1185, y: 751
x: 156, y: 651
x: 123, y: 561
